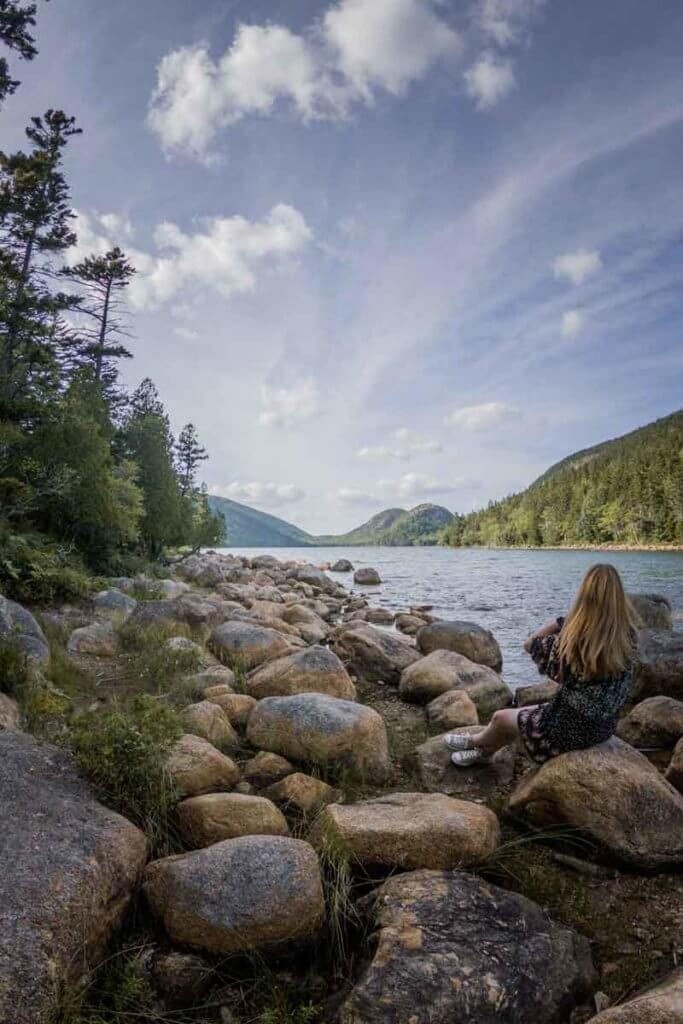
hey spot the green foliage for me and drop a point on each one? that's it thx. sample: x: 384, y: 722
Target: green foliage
x: 36, y: 570
x: 152, y: 664
x: 123, y: 752
x: 16, y: 21
x: 14, y: 673
x: 628, y: 491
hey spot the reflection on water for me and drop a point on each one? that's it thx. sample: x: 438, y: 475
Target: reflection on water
x: 508, y: 592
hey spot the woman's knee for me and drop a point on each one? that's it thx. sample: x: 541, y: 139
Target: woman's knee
x: 505, y: 720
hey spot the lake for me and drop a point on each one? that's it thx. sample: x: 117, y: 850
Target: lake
x: 510, y: 592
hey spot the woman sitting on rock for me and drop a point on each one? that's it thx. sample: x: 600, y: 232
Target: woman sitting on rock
x: 589, y: 654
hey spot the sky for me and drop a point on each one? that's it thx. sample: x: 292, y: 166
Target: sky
x: 388, y: 251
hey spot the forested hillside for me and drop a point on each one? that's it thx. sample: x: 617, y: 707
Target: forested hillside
x: 625, y: 491
x: 247, y: 527
x: 395, y: 527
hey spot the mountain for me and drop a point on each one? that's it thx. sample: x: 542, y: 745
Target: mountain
x: 249, y: 528
x: 628, y: 490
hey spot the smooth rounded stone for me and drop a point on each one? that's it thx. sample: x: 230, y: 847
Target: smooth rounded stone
x: 653, y: 610
x: 317, y: 729
x: 409, y: 624
x: 172, y: 612
x: 454, y: 948
x: 98, y: 639
x: 20, y: 629
x: 252, y: 894
x: 451, y: 710
x: 114, y: 604
x: 243, y: 593
x: 408, y: 831
x: 195, y: 767
x: 265, y: 562
x: 535, y: 693
x: 612, y: 794
x: 661, y: 1003
x: 314, y: 577
x: 479, y: 782
x: 313, y: 634
x: 180, y: 979
x: 300, y: 615
x: 655, y: 722
x: 313, y: 670
x: 215, y: 675
x: 379, y: 616
x: 237, y: 706
x: 659, y: 667
x: 342, y: 565
x: 266, y: 769
x: 203, y: 820
x: 302, y: 792
x: 367, y: 577
x: 442, y: 671
x: 674, y: 773
x: 69, y: 870
x: 207, y: 720
x: 248, y: 645
x: 170, y: 589
x: 374, y: 654
x: 10, y: 715
x: 219, y: 690
x: 466, y: 638
x: 271, y: 594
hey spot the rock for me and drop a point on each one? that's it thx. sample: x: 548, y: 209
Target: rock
x: 182, y: 645
x: 10, y: 715
x: 409, y: 624
x: 366, y: 577
x: 374, y: 654
x: 98, y: 640
x: 662, y: 1003
x: 321, y: 730
x: 535, y: 693
x: 451, y: 710
x: 313, y: 670
x: 442, y: 671
x: 674, y: 773
x: 195, y: 766
x: 266, y: 769
x: 20, y: 629
x: 69, y: 868
x: 653, y: 610
x: 237, y: 707
x: 114, y: 604
x: 466, y: 638
x: 252, y: 894
x: 342, y: 565
x: 247, y: 645
x: 480, y: 782
x: 219, y: 690
x: 314, y: 577
x: 203, y: 820
x: 215, y: 675
x: 265, y: 562
x: 180, y: 979
x: 613, y: 795
x: 655, y: 722
x: 170, y: 589
x: 453, y: 948
x: 207, y: 720
x: 407, y: 831
x: 659, y: 667
x: 379, y: 616
x: 301, y: 792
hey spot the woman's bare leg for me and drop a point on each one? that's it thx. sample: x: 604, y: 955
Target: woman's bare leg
x: 501, y: 730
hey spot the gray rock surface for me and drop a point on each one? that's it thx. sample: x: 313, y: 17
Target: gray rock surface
x: 374, y: 654
x: 312, y: 670
x: 465, y: 638
x: 20, y: 629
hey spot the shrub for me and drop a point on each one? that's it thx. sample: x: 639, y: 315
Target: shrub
x: 14, y: 671
x: 35, y: 571
x: 153, y: 663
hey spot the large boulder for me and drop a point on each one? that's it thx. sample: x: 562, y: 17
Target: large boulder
x: 195, y: 766
x: 407, y: 831
x: 69, y: 868
x: 316, y: 729
x: 535, y: 693
x: 465, y: 638
x: 660, y: 1004
x: 442, y: 671
x: 10, y: 715
x: 453, y: 948
x: 653, y: 610
x: 203, y: 820
x: 613, y: 795
x: 374, y: 654
x: 367, y: 577
x: 313, y: 670
x: 342, y: 565
x: 207, y: 720
x: 98, y: 640
x: 252, y: 894
x: 659, y: 667
x: 247, y: 645
x: 655, y: 722
x: 114, y: 604
x: 480, y: 782
x: 450, y: 711
x: 20, y: 629
x: 674, y: 773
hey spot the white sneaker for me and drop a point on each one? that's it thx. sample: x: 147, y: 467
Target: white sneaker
x: 458, y: 741
x: 466, y: 758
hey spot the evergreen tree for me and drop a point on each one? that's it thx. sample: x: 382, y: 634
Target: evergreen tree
x: 189, y: 455
x: 16, y: 21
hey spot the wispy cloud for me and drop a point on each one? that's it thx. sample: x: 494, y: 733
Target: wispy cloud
x: 264, y: 495
x: 572, y: 323
x: 487, y: 416
x: 577, y: 266
x: 489, y: 80
x: 283, y: 407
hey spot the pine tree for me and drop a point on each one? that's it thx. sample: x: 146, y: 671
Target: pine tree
x: 189, y: 455
x: 16, y: 21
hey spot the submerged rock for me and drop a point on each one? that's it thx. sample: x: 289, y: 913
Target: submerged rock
x: 313, y: 670
x: 453, y: 948
x: 466, y: 638
x: 367, y: 576
x: 342, y: 565
x: 374, y: 654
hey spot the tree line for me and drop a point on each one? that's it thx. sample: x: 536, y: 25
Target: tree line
x: 88, y: 470
x: 628, y: 491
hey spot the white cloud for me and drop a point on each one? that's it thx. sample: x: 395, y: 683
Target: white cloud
x: 283, y: 407
x: 410, y: 444
x: 577, y: 266
x: 115, y: 224
x: 266, y: 495
x: 489, y: 80
x: 504, y: 21
x: 351, y: 496
x: 383, y: 452
x: 186, y: 332
x: 572, y: 323
x: 487, y: 416
x: 417, y: 485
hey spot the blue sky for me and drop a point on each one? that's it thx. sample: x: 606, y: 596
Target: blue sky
x: 389, y: 251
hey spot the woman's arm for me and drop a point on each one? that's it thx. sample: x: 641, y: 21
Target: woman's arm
x: 551, y: 627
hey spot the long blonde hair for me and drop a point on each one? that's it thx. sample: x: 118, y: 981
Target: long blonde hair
x: 596, y: 639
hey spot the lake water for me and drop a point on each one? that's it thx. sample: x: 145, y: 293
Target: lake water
x: 509, y: 592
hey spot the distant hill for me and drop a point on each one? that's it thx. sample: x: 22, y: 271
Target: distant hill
x: 628, y: 490
x: 249, y: 528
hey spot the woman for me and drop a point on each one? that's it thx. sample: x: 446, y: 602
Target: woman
x: 590, y: 655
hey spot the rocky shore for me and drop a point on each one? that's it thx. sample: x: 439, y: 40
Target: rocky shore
x: 321, y: 859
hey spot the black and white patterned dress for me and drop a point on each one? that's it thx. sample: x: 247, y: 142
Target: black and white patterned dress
x: 581, y: 714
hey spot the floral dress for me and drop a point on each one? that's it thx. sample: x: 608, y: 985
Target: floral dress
x: 581, y: 714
